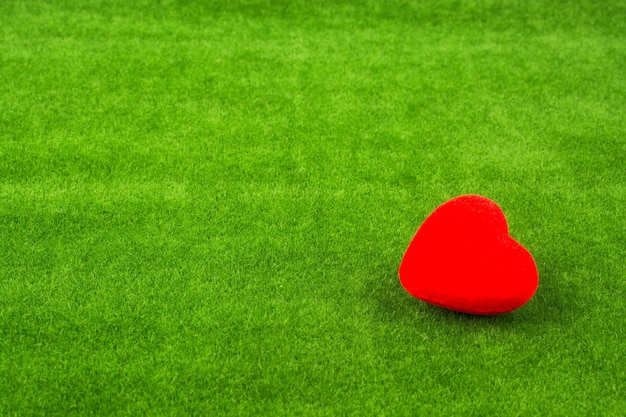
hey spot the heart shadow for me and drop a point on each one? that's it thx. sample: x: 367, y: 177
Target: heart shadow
x: 552, y: 305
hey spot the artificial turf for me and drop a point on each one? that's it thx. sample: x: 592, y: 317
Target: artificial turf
x: 204, y: 204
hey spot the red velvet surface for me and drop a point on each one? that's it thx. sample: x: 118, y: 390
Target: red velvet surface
x: 462, y: 258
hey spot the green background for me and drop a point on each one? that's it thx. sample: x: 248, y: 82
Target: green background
x: 203, y: 205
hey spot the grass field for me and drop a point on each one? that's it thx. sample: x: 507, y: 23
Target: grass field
x: 204, y: 204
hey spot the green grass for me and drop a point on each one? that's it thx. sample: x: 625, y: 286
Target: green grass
x: 203, y: 205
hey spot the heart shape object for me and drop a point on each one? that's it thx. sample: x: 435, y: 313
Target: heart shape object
x: 462, y: 258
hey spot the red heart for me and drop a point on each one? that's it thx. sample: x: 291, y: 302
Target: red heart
x: 462, y: 258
